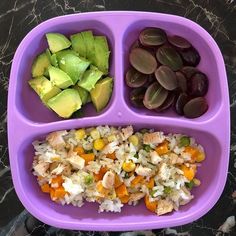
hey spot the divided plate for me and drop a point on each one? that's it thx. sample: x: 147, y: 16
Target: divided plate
x: 28, y: 120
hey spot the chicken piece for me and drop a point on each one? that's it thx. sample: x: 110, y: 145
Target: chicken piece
x: 110, y: 148
x: 164, y: 172
x: 53, y: 166
x: 41, y: 168
x: 77, y: 162
x: 155, y: 158
x: 67, y: 169
x: 136, y: 196
x: 143, y: 171
x: 108, y: 180
x: 55, y: 139
x: 153, y: 138
x: 58, y: 170
x: 175, y: 159
x: 127, y: 132
x: 164, y: 206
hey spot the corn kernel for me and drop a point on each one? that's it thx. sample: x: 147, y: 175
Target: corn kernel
x: 111, y: 138
x: 200, y: 157
x: 79, y: 134
x: 134, y: 140
x: 95, y: 134
x: 99, y: 144
x: 128, y: 166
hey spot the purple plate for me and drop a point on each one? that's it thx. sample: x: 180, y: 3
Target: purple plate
x: 28, y: 120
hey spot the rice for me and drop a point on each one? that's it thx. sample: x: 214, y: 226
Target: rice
x: 117, y: 168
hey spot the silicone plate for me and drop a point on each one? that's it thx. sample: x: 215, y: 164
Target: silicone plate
x: 28, y: 120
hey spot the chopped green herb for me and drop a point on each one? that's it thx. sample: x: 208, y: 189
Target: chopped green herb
x: 88, y: 151
x: 190, y: 185
x: 147, y: 148
x: 184, y: 141
x: 136, y: 155
x: 167, y: 190
x: 88, y: 179
x: 153, y: 192
x: 126, y: 175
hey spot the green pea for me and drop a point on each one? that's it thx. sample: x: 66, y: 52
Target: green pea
x: 167, y: 190
x: 147, y: 148
x: 88, y: 179
x: 184, y: 141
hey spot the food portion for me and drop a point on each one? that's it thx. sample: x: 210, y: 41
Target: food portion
x: 117, y: 166
x: 73, y: 71
x: 163, y: 74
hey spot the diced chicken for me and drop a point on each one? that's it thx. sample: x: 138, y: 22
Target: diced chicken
x: 77, y: 162
x: 56, y: 140
x: 155, y: 158
x: 136, y: 196
x: 127, y: 132
x: 143, y: 171
x: 175, y: 159
x: 41, y: 169
x: 108, y: 180
x: 164, y: 172
x: 185, y: 196
x: 110, y: 148
x: 67, y: 169
x: 58, y: 170
x: 164, y: 206
x: 53, y: 166
x: 153, y: 138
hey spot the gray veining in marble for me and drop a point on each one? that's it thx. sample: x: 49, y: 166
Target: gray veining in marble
x: 18, y: 17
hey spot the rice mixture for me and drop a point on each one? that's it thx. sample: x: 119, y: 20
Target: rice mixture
x: 117, y: 166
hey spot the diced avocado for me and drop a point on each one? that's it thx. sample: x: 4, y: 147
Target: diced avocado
x: 74, y: 66
x: 64, y: 53
x: 52, y: 58
x: 101, y: 94
x: 101, y: 53
x: 40, y: 65
x: 59, y: 78
x: 90, y: 78
x: 78, y: 44
x: 89, y: 44
x: 65, y: 103
x: 44, y: 88
x: 57, y: 42
x: 84, y: 94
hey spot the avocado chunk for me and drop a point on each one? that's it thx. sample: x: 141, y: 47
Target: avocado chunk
x: 89, y: 44
x: 52, y: 58
x: 101, y: 94
x: 72, y: 65
x: 40, y: 65
x: 90, y: 78
x: 57, y: 42
x: 44, y: 88
x: 78, y: 44
x: 84, y: 94
x: 101, y: 54
x: 65, y: 103
x: 59, y: 78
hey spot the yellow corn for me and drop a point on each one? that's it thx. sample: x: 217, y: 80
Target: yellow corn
x: 128, y: 166
x: 79, y: 134
x: 200, y: 157
x: 56, y: 158
x: 95, y: 134
x: 111, y: 138
x: 98, y: 144
x: 134, y: 140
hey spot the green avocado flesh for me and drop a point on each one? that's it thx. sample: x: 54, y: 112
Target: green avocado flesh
x: 40, y: 65
x: 90, y: 78
x: 65, y: 103
x: 101, y: 94
x: 84, y: 94
x: 59, y: 78
x: 44, y: 88
x: 57, y: 42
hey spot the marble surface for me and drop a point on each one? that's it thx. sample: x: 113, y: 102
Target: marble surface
x: 18, y: 17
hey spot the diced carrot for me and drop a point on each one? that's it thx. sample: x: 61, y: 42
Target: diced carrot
x: 60, y: 192
x: 88, y: 157
x: 136, y: 180
x: 118, y: 182
x: 151, y: 206
x: 100, y: 174
x: 162, y: 148
x: 121, y: 191
x: 52, y: 194
x: 40, y: 178
x: 193, y: 152
x: 189, y: 172
x: 124, y: 199
x: 150, y: 183
x: 111, y: 156
x: 57, y: 180
x: 79, y: 150
x: 101, y: 189
x: 45, y: 188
